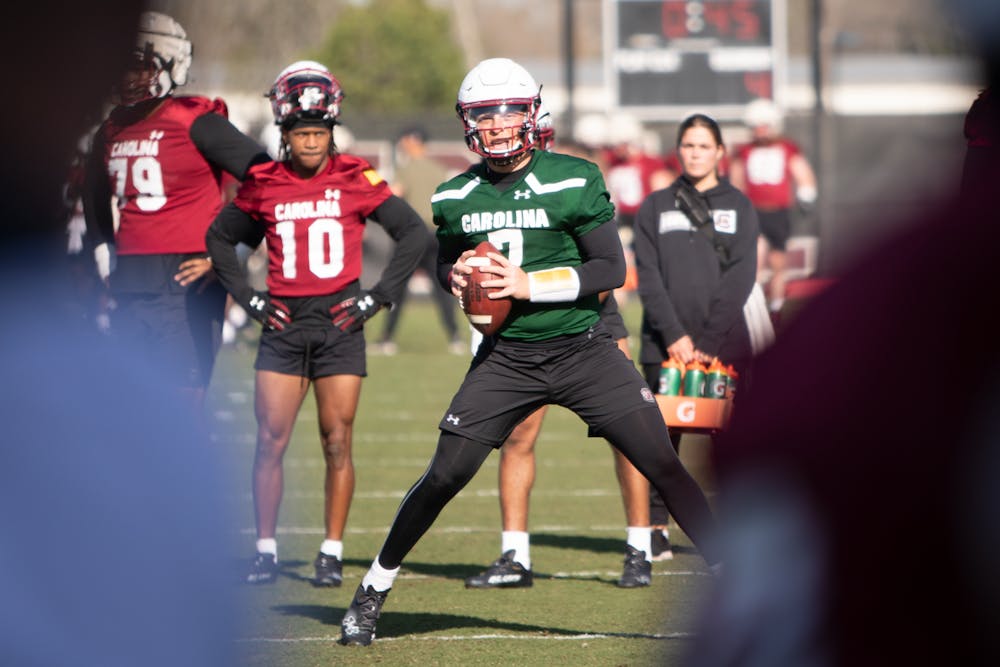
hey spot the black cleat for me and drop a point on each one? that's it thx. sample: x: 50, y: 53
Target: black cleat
x: 263, y: 570
x: 329, y: 570
x: 503, y: 573
x: 638, y: 571
x: 660, y: 545
x: 358, y: 626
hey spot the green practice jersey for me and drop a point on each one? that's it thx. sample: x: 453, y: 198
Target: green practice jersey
x: 535, y: 223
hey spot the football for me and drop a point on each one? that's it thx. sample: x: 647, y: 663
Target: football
x: 484, y: 313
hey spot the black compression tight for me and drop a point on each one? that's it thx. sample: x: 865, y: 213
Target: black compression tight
x: 455, y: 462
x: 642, y: 437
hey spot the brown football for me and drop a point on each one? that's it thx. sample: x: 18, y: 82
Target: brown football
x: 485, y: 314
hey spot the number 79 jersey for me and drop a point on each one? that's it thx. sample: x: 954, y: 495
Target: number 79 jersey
x: 168, y: 193
x: 313, y: 226
x: 536, y: 223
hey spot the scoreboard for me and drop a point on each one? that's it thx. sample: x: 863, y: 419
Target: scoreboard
x: 666, y: 58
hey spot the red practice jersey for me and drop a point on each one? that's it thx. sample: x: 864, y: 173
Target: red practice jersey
x: 168, y: 193
x: 313, y: 227
x: 629, y: 181
x: 769, y: 179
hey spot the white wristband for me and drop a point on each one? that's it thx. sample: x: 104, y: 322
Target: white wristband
x: 552, y: 285
x: 806, y: 194
x: 104, y: 257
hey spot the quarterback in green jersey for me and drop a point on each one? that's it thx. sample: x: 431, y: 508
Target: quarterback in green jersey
x: 551, y: 217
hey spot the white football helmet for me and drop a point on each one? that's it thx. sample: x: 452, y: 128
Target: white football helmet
x: 545, y: 128
x: 498, y: 86
x: 162, y: 53
x: 305, y: 90
x: 763, y: 113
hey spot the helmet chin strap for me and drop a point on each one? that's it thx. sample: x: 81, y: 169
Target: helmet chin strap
x: 504, y: 161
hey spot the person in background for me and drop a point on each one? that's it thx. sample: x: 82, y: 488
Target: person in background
x: 807, y: 530
x: 517, y: 466
x: 695, y: 249
x: 161, y: 157
x: 311, y: 208
x: 114, y: 504
x: 552, y: 348
x: 416, y: 177
x: 774, y: 174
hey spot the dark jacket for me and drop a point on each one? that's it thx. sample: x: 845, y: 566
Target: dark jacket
x: 685, y: 285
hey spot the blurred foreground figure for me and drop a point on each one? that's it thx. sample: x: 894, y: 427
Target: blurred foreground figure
x: 853, y: 534
x: 111, y: 503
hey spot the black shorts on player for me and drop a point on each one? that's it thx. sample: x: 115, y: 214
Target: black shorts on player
x: 310, y: 347
x: 509, y: 380
x: 775, y: 227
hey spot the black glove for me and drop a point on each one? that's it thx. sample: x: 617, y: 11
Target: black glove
x: 271, y: 313
x: 351, y: 314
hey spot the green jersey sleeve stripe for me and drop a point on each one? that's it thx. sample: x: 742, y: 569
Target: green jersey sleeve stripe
x: 456, y: 194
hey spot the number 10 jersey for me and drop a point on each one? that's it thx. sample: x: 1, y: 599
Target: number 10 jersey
x: 313, y: 226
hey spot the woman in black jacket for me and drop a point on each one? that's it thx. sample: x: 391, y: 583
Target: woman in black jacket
x: 696, y: 260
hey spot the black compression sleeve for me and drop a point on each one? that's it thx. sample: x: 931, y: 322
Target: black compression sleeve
x: 96, y: 195
x: 406, y: 228
x: 642, y: 437
x: 448, y: 253
x: 231, y: 227
x: 225, y: 146
x: 455, y: 462
x: 603, y: 265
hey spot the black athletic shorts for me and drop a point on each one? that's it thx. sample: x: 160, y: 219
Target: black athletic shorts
x: 776, y: 227
x: 312, y: 352
x: 311, y: 347
x: 508, y: 380
x: 180, y: 329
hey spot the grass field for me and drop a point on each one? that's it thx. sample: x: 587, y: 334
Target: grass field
x: 574, y: 614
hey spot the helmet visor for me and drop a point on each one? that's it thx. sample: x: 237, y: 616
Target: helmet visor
x: 502, y: 114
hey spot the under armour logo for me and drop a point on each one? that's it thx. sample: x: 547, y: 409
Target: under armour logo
x: 522, y: 194
x: 331, y: 194
x: 156, y: 135
x: 451, y: 419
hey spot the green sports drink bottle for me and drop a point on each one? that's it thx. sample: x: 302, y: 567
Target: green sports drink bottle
x: 716, y: 380
x: 694, y: 380
x: 671, y: 373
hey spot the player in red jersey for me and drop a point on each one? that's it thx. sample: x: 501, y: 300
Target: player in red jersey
x: 774, y: 174
x: 162, y: 157
x: 310, y: 207
x: 632, y: 172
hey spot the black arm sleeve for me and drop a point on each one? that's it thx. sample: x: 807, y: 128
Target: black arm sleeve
x: 96, y: 195
x: 406, y: 228
x: 603, y: 265
x: 448, y: 253
x: 229, y: 228
x: 225, y: 146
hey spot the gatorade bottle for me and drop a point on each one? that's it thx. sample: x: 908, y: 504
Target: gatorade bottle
x: 733, y: 377
x: 694, y: 379
x: 716, y: 380
x: 671, y: 373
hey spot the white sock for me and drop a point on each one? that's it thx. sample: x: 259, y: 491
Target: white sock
x: 332, y: 548
x: 640, y: 539
x: 268, y: 546
x: 379, y: 578
x: 518, y: 541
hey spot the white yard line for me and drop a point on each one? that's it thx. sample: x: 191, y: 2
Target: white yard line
x: 487, y: 637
